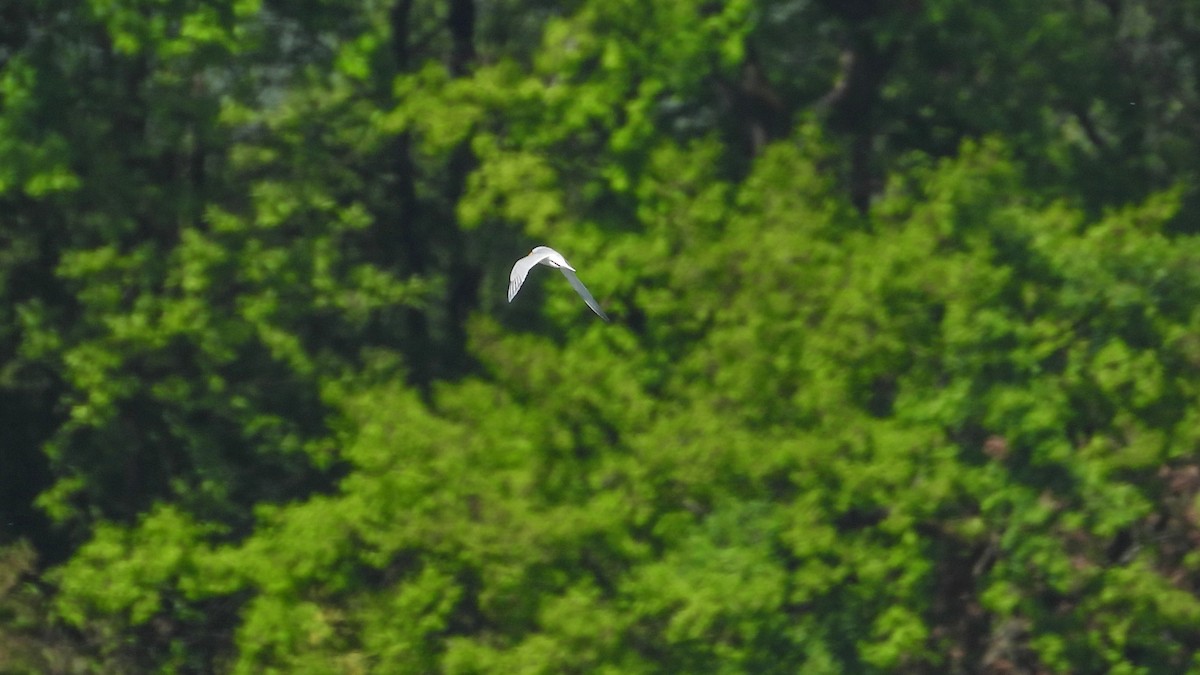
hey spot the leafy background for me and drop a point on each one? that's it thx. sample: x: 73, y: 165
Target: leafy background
x: 904, y: 374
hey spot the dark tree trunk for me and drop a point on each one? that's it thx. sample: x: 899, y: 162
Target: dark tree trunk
x: 851, y: 104
x: 461, y: 23
x: 464, y: 275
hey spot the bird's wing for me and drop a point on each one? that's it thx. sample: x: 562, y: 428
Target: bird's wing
x: 583, y: 292
x: 520, y: 270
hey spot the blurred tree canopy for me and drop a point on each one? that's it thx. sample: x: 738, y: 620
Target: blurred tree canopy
x: 904, y: 374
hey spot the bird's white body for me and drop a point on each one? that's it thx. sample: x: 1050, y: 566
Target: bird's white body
x: 544, y: 255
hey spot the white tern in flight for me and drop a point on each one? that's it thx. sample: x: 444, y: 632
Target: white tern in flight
x: 547, y: 256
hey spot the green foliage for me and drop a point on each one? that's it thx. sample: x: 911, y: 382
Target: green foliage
x: 282, y: 420
x: 597, y: 504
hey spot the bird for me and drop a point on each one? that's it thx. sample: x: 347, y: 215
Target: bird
x: 544, y: 255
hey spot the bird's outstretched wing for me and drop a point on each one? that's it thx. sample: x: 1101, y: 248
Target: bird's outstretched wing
x: 520, y: 270
x: 581, y: 290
